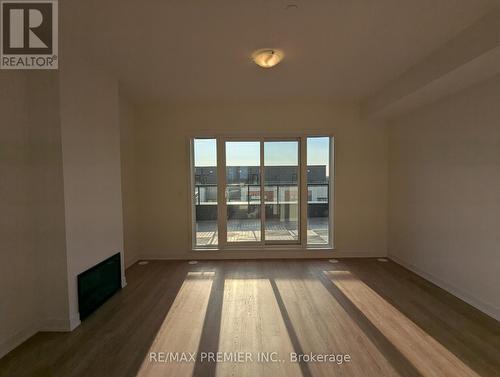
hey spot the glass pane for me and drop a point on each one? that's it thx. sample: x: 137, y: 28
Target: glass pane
x: 243, y: 191
x: 281, y: 193
x: 318, y: 189
x: 205, y: 191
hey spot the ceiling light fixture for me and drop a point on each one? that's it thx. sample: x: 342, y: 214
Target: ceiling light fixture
x: 267, y: 57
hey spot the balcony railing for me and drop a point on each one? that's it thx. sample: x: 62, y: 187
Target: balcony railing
x: 206, y: 194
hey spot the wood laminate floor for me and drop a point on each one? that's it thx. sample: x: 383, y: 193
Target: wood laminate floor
x: 385, y: 319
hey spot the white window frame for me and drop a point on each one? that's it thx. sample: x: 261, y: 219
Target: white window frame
x: 221, y: 193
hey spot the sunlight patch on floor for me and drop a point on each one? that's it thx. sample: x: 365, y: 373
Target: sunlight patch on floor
x: 251, y: 322
x: 426, y: 354
x: 323, y: 326
x: 182, y: 328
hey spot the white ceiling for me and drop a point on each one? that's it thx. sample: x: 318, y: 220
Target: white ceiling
x: 189, y: 50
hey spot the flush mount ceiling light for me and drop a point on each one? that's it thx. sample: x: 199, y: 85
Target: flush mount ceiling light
x: 267, y: 57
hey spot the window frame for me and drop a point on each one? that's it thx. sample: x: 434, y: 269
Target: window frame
x: 302, y: 244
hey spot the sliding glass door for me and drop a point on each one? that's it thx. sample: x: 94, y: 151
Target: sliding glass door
x: 281, y: 191
x: 243, y: 192
x: 262, y: 191
x: 261, y: 198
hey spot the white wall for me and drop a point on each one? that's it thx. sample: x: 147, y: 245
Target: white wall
x: 18, y: 304
x: 60, y: 191
x: 91, y: 167
x: 445, y: 194
x: 33, y: 281
x: 48, y: 201
x: 128, y: 155
x: 163, y: 205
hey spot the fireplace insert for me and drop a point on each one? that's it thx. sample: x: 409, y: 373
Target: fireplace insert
x: 98, y: 284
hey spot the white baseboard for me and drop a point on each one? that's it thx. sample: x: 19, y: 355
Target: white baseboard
x: 51, y: 325
x: 74, y: 322
x: 56, y: 325
x: 262, y: 254
x: 486, y: 308
x: 131, y: 262
x: 7, y: 345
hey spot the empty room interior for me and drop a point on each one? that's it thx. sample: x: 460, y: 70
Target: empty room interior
x: 250, y: 188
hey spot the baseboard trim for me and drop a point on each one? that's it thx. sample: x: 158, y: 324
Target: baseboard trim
x: 124, y: 281
x: 450, y: 288
x: 131, y: 262
x: 56, y: 325
x: 47, y: 325
x: 17, y: 339
x: 74, y: 322
x: 260, y: 254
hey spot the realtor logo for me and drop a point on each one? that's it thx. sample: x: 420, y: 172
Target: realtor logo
x: 29, y: 35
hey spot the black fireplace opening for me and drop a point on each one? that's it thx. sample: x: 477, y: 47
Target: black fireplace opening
x: 98, y: 284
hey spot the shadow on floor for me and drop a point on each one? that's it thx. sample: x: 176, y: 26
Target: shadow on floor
x: 469, y: 334
x: 116, y: 339
x: 260, y: 270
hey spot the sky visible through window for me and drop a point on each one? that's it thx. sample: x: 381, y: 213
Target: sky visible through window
x: 248, y: 153
x: 318, y: 152
x: 281, y: 153
x: 205, y: 152
x: 243, y: 153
